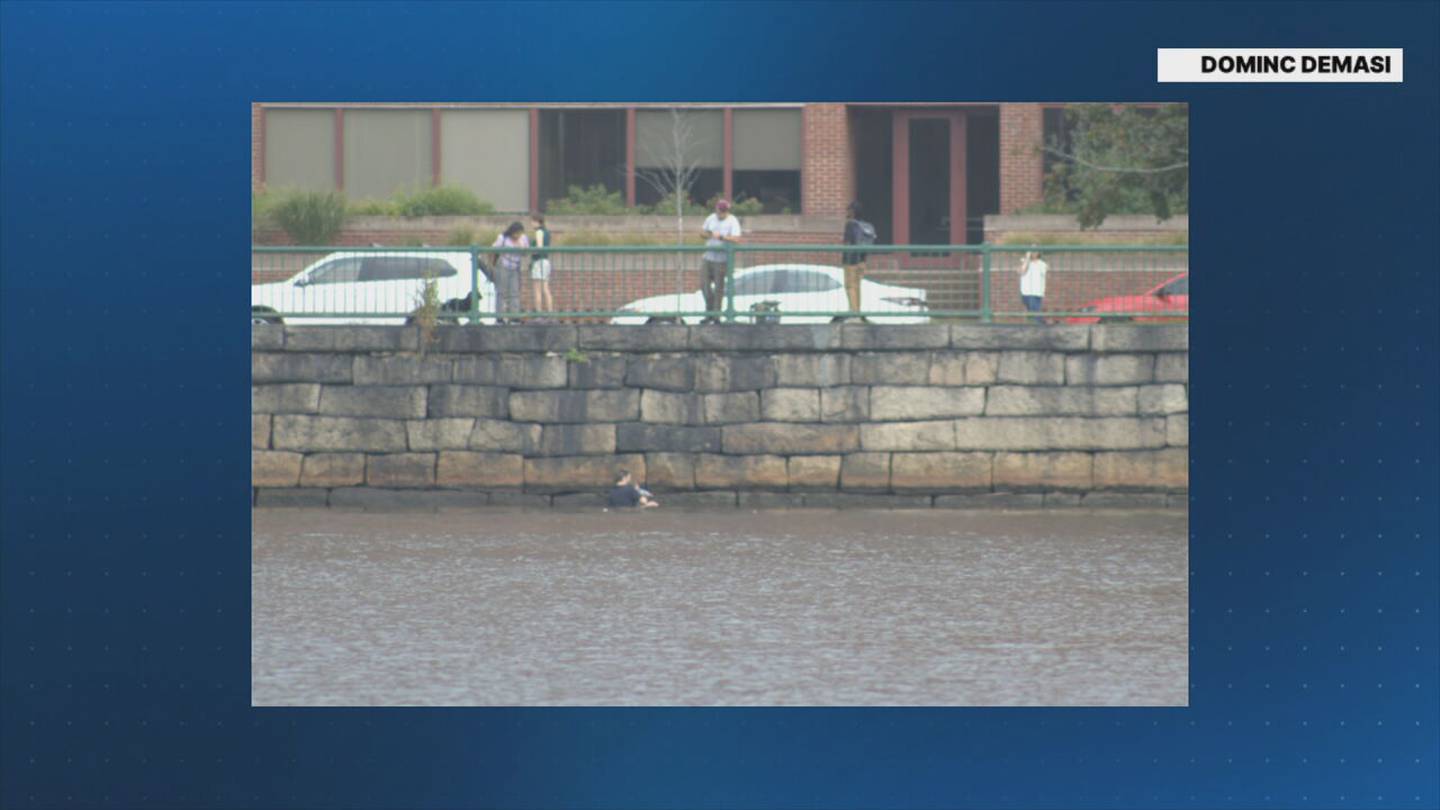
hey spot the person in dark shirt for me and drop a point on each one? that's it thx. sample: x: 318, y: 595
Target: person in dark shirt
x: 857, y: 232
x: 540, y: 266
x: 626, y: 494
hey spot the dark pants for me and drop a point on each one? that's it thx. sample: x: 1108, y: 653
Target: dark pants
x: 712, y: 284
x: 1033, y: 304
x: 507, y: 290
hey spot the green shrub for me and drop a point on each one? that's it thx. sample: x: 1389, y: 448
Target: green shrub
x: 371, y: 208
x: 666, y: 207
x: 597, y: 200
x: 1092, y: 238
x: 440, y: 201
x: 309, y: 217
x: 746, y: 207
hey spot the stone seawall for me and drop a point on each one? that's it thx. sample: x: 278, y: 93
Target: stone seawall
x: 764, y: 416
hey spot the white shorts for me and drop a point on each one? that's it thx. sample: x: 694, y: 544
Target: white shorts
x: 540, y: 270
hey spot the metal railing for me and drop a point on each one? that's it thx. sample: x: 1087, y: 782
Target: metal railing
x: 762, y: 283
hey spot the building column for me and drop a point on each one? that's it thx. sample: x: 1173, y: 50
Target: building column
x: 534, y: 159
x: 727, y: 160
x: 1022, y: 165
x: 339, y: 149
x: 257, y: 148
x: 435, y: 146
x: 827, y: 174
x: 630, y: 156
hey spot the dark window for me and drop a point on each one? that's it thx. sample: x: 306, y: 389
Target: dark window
x: 1180, y: 286
x: 778, y: 190
x: 581, y: 148
x: 339, y: 271
x: 709, y: 184
x: 403, y: 268
x: 807, y: 281
x: 1059, y: 129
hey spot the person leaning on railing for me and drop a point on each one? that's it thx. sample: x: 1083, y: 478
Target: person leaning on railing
x: 1032, y: 272
x: 507, y: 272
x: 540, y: 266
x: 719, y: 228
x: 857, y: 232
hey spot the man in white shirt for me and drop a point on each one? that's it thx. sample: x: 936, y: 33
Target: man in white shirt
x: 1032, y: 272
x: 719, y: 228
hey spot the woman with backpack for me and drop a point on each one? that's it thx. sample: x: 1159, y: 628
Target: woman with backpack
x: 857, y: 232
x: 540, y: 266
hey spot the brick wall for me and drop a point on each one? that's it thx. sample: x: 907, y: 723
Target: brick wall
x: 828, y: 175
x: 257, y: 147
x: 1021, y: 163
x: 908, y: 416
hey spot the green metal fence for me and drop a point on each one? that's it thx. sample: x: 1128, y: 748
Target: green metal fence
x: 751, y: 283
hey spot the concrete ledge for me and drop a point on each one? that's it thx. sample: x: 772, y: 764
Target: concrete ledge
x: 1132, y: 338
x: 266, y: 337
x: 894, y: 336
x: 509, y: 338
x: 856, y: 500
x: 288, y: 497
x: 520, y: 500
x: 379, y: 499
x: 1124, y: 500
x: 1020, y: 336
x: 654, y: 338
x: 754, y: 337
x: 771, y: 500
x: 351, y: 339
x: 991, y: 500
x: 697, y: 500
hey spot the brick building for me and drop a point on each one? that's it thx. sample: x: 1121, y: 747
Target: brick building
x: 926, y: 173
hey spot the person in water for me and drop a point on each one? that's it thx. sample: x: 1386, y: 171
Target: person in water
x: 627, y: 494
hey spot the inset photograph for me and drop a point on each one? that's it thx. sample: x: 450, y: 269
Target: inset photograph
x: 696, y: 404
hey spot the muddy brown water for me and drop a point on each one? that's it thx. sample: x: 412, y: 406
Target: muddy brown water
x: 719, y: 608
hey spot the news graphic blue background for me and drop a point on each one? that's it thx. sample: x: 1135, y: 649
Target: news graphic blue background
x: 125, y: 164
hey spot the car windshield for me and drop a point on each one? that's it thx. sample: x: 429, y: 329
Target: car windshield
x: 760, y: 282
x: 338, y: 271
x: 1180, y: 286
x: 808, y: 281
x: 404, y: 268
x: 782, y: 280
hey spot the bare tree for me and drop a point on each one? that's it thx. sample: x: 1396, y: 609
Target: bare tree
x: 672, y: 165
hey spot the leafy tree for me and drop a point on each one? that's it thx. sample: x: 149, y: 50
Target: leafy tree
x: 1114, y: 159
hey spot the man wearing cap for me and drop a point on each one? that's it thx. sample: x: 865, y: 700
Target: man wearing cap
x: 720, y: 227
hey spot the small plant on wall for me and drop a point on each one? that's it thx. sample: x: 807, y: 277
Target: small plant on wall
x: 427, y: 312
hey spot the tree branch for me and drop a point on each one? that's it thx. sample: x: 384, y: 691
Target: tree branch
x: 1116, y: 169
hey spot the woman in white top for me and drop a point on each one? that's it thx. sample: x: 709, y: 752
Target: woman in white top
x: 1032, y: 272
x: 507, y: 272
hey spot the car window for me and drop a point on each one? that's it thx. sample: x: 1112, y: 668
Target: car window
x: 402, y: 268
x: 807, y: 281
x: 339, y: 271
x: 757, y: 283
x: 1180, y: 286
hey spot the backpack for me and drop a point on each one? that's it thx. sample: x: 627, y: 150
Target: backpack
x: 864, y: 233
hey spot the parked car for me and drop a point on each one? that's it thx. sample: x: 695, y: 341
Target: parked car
x: 1169, y: 301
x: 368, y: 288
x: 767, y: 292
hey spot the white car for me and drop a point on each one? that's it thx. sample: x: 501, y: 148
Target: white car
x: 346, y: 288
x: 767, y: 292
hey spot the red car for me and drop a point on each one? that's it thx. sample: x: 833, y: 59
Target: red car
x: 1169, y: 301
